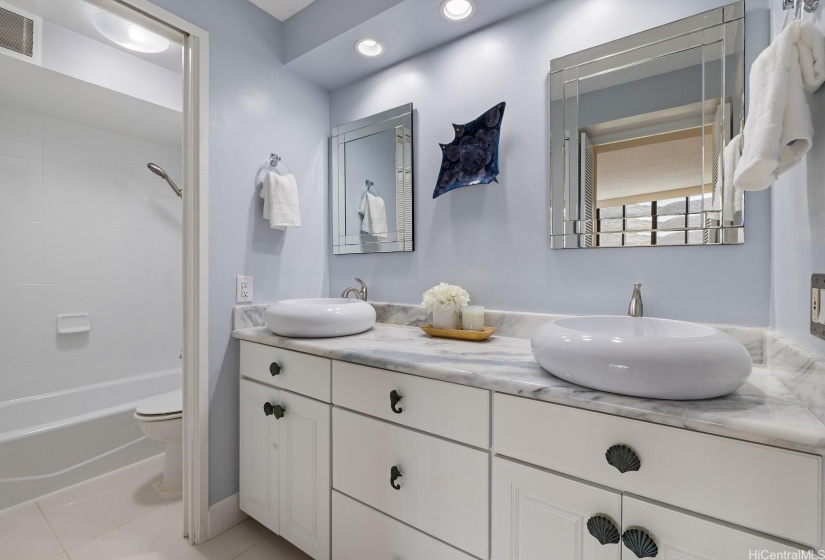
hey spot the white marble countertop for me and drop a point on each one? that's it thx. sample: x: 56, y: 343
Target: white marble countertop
x: 763, y: 410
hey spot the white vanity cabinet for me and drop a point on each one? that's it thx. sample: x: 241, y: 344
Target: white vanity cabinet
x: 285, y: 457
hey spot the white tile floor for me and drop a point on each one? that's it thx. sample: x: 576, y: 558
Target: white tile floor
x: 119, y: 516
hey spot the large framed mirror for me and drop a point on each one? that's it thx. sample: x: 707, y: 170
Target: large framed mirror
x: 645, y: 135
x: 372, y: 184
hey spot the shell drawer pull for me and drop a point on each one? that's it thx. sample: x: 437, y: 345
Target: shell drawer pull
x: 395, y: 474
x: 275, y: 369
x: 623, y: 458
x: 277, y: 410
x: 603, y: 530
x: 640, y: 543
x: 395, y: 398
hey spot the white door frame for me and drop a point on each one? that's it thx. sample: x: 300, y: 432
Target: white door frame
x: 195, y: 251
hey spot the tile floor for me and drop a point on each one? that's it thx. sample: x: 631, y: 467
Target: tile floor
x: 119, y: 516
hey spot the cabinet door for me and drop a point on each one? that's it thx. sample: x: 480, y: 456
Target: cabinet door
x: 305, y: 474
x: 539, y: 515
x: 260, y: 462
x: 678, y: 535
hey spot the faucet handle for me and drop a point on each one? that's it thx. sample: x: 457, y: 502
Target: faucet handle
x: 363, y: 289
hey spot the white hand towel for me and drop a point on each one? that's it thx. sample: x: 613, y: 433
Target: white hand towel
x: 779, y: 131
x: 281, y: 204
x: 373, y: 212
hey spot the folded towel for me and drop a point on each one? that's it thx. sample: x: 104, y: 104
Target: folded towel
x: 779, y: 131
x: 731, y: 198
x: 373, y: 214
x: 281, y: 205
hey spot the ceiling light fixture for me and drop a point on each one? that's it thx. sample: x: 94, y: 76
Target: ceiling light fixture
x: 457, y: 10
x: 369, y: 47
x: 128, y: 35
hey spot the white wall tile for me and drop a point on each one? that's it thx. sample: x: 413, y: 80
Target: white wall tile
x: 124, y: 202
x: 21, y: 125
x: 21, y: 189
x: 21, y: 149
x: 62, y: 299
x: 72, y: 254
x: 122, y: 310
x: 125, y: 255
x: 22, y: 316
x: 71, y: 195
x: 21, y: 253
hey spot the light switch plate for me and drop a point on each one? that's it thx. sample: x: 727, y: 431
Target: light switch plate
x: 817, y: 293
x: 243, y: 289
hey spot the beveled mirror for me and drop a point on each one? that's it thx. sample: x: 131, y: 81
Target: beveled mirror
x: 645, y: 135
x: 372, y: 184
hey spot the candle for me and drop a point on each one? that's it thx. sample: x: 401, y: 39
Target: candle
x: 472, y: 318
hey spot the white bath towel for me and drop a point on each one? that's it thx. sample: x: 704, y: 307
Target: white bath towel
x: 731, y: 198
x: 373, y: 212
x: 779, y: 130
x: 281, y: 204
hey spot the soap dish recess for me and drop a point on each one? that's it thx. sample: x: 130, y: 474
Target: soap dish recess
x: 459, y: 334
x: 73, y: 323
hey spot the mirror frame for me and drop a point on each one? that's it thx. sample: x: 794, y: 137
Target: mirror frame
x: 399, y: 119
x: 569, y: 226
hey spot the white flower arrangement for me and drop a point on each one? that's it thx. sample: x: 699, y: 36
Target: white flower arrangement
x: 445, y: 297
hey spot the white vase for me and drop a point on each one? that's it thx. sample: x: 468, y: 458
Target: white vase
x: 444, y: 319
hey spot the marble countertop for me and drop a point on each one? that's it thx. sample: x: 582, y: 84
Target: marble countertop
x: 763, y: 410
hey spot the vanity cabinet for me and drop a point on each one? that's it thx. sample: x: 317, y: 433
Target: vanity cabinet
x: 285, y: 455
x: 355, y: 463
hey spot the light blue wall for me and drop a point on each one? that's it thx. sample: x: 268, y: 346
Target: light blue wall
x: 256, y: 107
x: 493, y: 239
x: 799, y: 225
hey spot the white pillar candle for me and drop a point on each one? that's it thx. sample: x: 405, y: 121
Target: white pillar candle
x: 472, y: 318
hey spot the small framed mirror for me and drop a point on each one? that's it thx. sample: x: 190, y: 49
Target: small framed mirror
x: 372, y: 184
x: 645, y: 136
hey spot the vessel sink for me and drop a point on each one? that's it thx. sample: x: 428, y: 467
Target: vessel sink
x: 319, y: 317
x: 643, y: 357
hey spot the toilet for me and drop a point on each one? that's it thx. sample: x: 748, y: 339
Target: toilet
x: 161, y: 419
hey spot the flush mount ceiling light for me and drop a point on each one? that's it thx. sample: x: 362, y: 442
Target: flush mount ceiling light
x: 369, y: 47
x: 457, y: 10
x: 128, y: 35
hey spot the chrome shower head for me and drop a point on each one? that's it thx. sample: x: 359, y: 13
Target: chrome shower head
x: 158, y: 170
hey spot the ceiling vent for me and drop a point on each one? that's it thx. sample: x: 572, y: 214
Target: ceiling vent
x: 20, y: 34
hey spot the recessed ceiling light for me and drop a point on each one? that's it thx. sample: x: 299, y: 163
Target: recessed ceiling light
x: 128, y: 35
x: 457, y: 10
x: 369, y: 47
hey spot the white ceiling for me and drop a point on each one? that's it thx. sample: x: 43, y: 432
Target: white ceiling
x: 76, y: 15
x: 282, y: 9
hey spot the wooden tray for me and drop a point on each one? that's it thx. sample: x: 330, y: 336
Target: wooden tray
x: 459, y: 334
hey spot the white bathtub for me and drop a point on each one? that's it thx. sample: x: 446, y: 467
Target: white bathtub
x: 52, y: 441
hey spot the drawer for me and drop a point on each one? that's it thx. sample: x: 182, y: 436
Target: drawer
x: 443, y: 488
x: 680, y: 535
x: 445, y: 409
x: 756, y: 486
x: 361, y: 533
x: 293, y: 371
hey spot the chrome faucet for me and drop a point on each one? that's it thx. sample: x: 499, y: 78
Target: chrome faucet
x: 636, y: 308
x: 360, y: 294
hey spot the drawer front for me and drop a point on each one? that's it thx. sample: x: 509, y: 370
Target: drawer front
x: 293, y: 371
x: 361, y: 533
x: 679, y: 535
x: 759, y: 487
x: 445, y: 409
x: 443, y: 487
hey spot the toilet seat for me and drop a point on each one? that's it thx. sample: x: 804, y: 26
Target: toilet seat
x: 168, y: 406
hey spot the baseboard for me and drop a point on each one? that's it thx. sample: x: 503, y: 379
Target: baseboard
x: 224, y: 515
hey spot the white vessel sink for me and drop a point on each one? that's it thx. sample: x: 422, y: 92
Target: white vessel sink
x: 319, y: 317
x: 643, y: 357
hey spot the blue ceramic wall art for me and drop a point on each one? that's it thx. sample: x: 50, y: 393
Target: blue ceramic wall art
x: 472, y: 157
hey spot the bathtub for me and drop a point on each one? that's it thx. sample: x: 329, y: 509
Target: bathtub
x: 52, y: 441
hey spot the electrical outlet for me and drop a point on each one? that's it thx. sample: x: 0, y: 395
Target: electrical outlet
x: 243, y: 289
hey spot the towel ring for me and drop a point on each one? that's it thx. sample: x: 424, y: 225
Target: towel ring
x: 274, y: 161
x: 370, y: 185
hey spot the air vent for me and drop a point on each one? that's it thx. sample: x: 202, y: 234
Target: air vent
x: 19, y: 34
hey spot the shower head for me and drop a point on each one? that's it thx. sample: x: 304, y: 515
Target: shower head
x: 158, y: 170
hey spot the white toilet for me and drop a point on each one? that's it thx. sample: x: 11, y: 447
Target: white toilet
x: 161, y: 419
